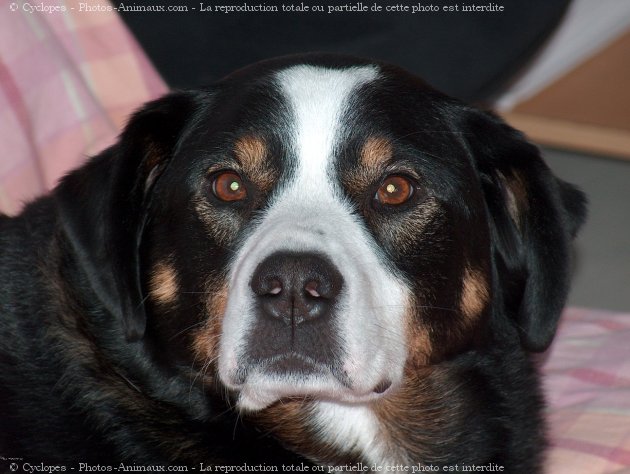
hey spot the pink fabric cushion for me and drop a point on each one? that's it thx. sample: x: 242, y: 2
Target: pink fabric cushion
x: 68, y: 81
x: 587, y: 381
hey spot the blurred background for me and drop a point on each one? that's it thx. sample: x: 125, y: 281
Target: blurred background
x: 71, y: 72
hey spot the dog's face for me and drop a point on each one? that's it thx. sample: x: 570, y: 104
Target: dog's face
x: 331, y: 232
x: 323, y: 229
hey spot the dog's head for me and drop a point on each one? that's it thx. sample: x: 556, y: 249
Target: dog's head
x: 318, y: 226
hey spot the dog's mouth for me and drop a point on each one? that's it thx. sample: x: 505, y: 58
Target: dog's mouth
x: 261, y: 383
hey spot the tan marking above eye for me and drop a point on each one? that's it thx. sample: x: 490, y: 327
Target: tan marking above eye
x: 376, y: 151
x: 251, y: 152
x: 475, y: 293
x: 163, y: 285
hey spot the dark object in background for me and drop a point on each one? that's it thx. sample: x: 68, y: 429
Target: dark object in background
x: 470, y: 55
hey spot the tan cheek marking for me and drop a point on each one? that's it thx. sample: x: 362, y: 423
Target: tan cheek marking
x: 475, y: 294
x: 206, y: 339
x: 163, y: 285
x: 376, y: 152
x: 251, y: 152
x: 418, y: 339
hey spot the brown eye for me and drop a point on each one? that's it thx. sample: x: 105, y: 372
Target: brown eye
x: 395, y: 190
x: 228, y: 186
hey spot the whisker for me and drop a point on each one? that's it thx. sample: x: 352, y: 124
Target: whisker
x: 200, y: 323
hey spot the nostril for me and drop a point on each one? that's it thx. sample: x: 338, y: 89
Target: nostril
x: 276, y: 288
x: 311, y: 288
x: 264, y: 285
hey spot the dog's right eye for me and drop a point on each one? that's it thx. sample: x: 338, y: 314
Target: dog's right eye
x: 394, y: 191
x: 228, y: 186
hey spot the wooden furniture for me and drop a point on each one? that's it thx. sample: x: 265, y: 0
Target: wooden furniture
x: 587, y: 109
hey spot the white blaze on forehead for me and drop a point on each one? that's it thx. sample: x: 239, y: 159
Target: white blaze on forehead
x: 317, y: 99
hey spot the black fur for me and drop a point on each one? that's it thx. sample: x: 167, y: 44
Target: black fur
x: 89, y: 371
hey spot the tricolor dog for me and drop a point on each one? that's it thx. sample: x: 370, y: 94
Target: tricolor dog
x: 317, y: 259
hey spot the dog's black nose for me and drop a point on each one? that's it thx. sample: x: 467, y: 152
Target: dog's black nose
x: 296, y: 287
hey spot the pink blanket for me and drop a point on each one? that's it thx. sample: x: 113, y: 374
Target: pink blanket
x: 588, y: 388
x: 68, y: 81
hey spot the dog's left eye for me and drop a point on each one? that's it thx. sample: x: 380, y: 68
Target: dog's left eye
x: 394, y: 191
x: 228, y: 186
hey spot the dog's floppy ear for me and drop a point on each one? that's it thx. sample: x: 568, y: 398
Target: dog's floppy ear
x: 533, y: 218
x: 102, y: 206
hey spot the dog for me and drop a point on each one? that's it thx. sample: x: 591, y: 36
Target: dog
x: 316, y: 261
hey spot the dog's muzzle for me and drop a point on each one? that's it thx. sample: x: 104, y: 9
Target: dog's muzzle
x: 295, y: 294
x: 312, y: 311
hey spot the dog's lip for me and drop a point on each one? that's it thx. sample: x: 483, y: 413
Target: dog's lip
x: 265, y: 381
x: 257, y: 396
